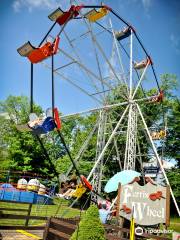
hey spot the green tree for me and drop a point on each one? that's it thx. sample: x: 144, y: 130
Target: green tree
x: 172, y: 141
x: 174, y: 177
x: 20, y: 150
x: 75, y: 132
x: 89, y: 221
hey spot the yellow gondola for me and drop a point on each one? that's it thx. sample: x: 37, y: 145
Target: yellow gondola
x: 95, y: 15
x: 158, y: 135
x: 80, y: 190
x: 162, y: 134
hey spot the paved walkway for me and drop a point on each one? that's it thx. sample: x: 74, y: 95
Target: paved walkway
x: 21, y: 234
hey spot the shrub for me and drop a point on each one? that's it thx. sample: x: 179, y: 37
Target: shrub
x: 90, y: 227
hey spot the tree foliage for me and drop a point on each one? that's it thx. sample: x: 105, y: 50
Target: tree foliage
x: 174, y: 177
x: 172, y: 146
x: 21, y: 150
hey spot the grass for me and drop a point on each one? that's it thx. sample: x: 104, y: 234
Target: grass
x: 175, y: 224
x: 60, y: 207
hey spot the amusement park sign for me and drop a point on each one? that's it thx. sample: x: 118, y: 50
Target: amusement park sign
x: 149, y: 204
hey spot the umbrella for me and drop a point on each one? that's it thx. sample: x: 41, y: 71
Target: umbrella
x: 123, y: 177
x: 7, y: 186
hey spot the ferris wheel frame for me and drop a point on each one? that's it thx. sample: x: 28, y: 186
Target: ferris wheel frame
x: 130, y: 97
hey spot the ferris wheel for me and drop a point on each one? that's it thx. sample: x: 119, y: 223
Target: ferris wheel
x: 99, y: 53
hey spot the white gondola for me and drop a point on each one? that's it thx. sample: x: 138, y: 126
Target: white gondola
x: 142, y: 64
x: 42, y: 189
x: 26, y: 49
x: 120, y: 35
x: 22, y: 184
x: 33, y: 185
x: 56, y: 14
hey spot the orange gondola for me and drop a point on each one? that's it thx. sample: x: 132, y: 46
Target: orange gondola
x: 86, y: 183
x: 47, y: 50
x: 158, y: 98
x: 36, y: 55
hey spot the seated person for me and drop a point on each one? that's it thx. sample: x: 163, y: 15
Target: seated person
x: 68, y: 194
x: 104, y: 213
x: 35, y: 121
x: 66, y: 191
x: 107, y: 202
x: 41, y: 125
x: 73, y: 183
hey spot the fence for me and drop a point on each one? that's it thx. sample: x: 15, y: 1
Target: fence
x: 60, y: 228
x: 16, y: 215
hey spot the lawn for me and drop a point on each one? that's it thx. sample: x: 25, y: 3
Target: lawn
x: 175, y: 224
x: 59, y: 208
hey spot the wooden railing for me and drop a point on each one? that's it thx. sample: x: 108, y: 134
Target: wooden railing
x: 26, y: 217
x: 60, y: 228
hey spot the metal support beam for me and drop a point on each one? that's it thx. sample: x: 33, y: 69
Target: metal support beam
x: 83, y: 148
x: 140, y: 80
x: 52, y: 84
x: 31, y: 90
x: 97, y: 175
x: 157, y: 157
x: 130, y: 153
x: 72, y: 83
x: 119, y: 55
x: 106, y: 107
x: 130, y: 66
x: 108, y: 142
x: 115, y: 144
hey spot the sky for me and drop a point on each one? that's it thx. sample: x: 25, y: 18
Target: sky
x: 156, y: 21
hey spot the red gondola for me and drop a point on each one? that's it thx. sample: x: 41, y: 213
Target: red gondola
x: 86, y: 183
x: 62, y: 17
x: 36, y: 55
x: 57, y: 119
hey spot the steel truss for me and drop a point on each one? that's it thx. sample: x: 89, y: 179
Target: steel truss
x: 130, y: 152
x: 97, y: 175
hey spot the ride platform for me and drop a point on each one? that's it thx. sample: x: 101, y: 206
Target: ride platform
x: 25, y: 196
